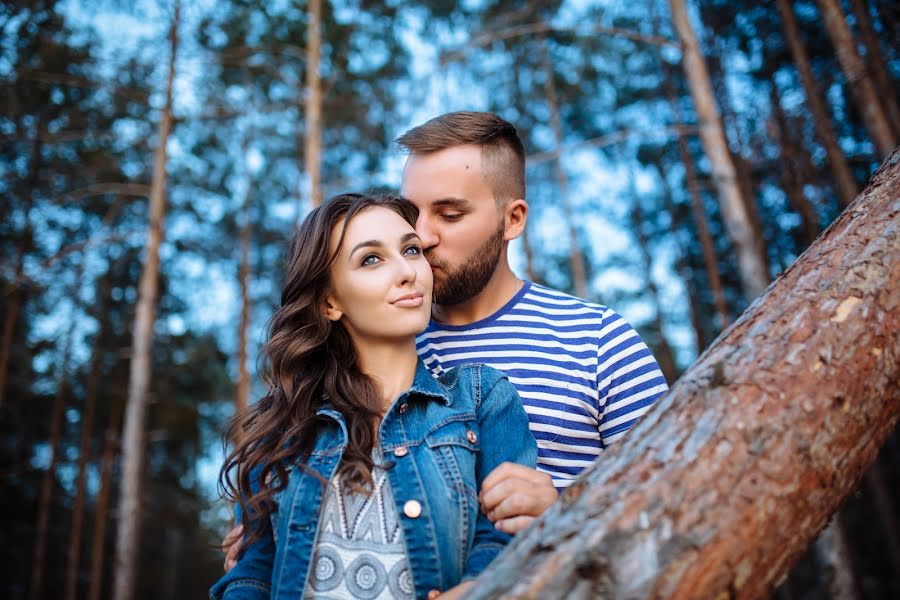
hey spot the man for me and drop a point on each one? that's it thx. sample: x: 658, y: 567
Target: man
x: 584, y: 374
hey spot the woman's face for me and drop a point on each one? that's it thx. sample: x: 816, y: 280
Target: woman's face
x: 380, y: 281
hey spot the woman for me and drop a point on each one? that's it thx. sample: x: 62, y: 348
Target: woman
x: 359, y: 471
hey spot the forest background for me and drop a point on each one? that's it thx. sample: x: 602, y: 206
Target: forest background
x: 155, y: 158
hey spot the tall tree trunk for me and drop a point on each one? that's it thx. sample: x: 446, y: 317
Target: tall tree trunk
x: 683, y: 263
x: 663, y: 350
x: 242, y: 389
x: 834, y: 556
x: 46, y: 502
x: 858, y: 79
x: 87, y: 430
x: 754, y: 275
x: 690, y: 175
x: 530, y: 271
x: 720, y: 487
x: 101, y: 509
x: 790, y: 167
x: 128, y: 539
x: 840, y: 170
x: 576, y: 256
x: 877, y: 64
x: 313, y: 116
x: 14, y: 303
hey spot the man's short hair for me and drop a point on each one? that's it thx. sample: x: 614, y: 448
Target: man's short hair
x: 502, y: 152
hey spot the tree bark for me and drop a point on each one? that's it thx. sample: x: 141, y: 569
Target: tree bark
x: 576, y: 256
x: 313, y: 117
x: 663, y: 350
x: 877, y: 64
x: 861, y: 85
x: 790, y: 168
x: 128, y: 539
x: 242, y: 389
x: 530, y: 271
x: 834, y: 557
x: 840, y: 170
x: 706, y: 241
x: 101, y: 509
x: 720, y: 487
x: 46, y: 502
x: 754, y: 275
x: 87, y: 430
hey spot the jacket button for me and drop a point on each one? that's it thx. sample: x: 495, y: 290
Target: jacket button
x: 471, y: 436
x: 403, y: 407
x: 412, y: 509
x: 401, y: 451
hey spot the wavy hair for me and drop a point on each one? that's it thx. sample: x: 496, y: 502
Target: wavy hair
x: 308, y: 360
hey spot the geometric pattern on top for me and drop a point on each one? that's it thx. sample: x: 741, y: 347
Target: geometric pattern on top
x: 359, y: 551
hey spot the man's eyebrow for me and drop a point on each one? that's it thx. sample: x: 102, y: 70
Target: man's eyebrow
x: 451, y: 202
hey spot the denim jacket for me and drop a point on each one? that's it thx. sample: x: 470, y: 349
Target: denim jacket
x: 443, y: 436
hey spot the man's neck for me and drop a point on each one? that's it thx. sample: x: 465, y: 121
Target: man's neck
x: 502, y: 286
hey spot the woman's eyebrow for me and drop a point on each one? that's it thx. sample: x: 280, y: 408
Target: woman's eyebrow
x: 379, y: 244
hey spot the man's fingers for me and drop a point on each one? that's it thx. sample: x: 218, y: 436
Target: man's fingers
x: 513, y: 525
x: 229, y: 564
x: 231, y: 545
x: 513, y: 497
x: 509, y: 470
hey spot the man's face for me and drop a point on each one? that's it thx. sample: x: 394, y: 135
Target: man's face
x: 460, y: 225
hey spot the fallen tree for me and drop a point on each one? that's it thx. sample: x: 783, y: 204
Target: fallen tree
x: 720, y: 488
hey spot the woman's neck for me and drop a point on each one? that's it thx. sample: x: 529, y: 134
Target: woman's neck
x: 391, y: 365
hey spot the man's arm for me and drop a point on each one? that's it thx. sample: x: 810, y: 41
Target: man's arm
x: 513, y: 496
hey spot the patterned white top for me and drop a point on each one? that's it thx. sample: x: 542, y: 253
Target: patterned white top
x: 359, y: 550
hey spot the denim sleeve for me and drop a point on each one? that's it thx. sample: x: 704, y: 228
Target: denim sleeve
x: 505, y: 437
x: 250, y: 578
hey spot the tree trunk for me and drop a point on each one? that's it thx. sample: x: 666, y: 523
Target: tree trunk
x: 242, y: 389
x: 87, y: 430
x: 313, y: 118
x: 101, y: 508
x: 721, y: 486
x: 128, y: 539
x: 46, y: 502
x: 790, y: 168
x: 530, y: 271
x: 706, y: 241
x: 834, y: 558
x: 682, y: 263
x: 576, y: 256
x: 877, y: 64
x: 754, y: 275
x: 663, y: 350
x: 858, y: 80
x: 840, y: 170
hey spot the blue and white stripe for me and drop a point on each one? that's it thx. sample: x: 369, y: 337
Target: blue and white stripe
x: 584, y: 374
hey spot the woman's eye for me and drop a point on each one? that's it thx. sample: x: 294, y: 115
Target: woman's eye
x: 371, y: 259
x: 412, y: 251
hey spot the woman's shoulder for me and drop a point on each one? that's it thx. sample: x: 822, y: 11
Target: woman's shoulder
x: 475, y: 379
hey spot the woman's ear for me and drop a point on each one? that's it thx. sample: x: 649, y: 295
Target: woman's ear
x: 331, y: 309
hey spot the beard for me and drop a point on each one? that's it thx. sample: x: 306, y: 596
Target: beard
x: 466, y: 281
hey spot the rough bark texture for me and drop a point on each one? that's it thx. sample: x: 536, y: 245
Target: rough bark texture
x: 861, y: 84
x: 128, y: 538
x: 721, y: 486
x: 754, y: 275
x: 840, y: 170
x: 313, y: 116
x: 576, y: 256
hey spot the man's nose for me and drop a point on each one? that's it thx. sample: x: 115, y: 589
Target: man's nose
x: 427, y: 233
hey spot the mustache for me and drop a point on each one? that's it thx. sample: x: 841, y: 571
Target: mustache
x: 434, y: 261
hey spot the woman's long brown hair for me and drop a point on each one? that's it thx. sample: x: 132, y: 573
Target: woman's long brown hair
x: 306, y: 360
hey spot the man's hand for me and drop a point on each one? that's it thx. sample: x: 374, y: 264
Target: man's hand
x: 231, y: 546
x: 512, y: 496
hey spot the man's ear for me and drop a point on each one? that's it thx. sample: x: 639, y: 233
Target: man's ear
x: 515, y: 216
x: 331, y: 309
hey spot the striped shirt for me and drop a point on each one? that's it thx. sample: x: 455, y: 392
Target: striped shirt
x: 584, y: 374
